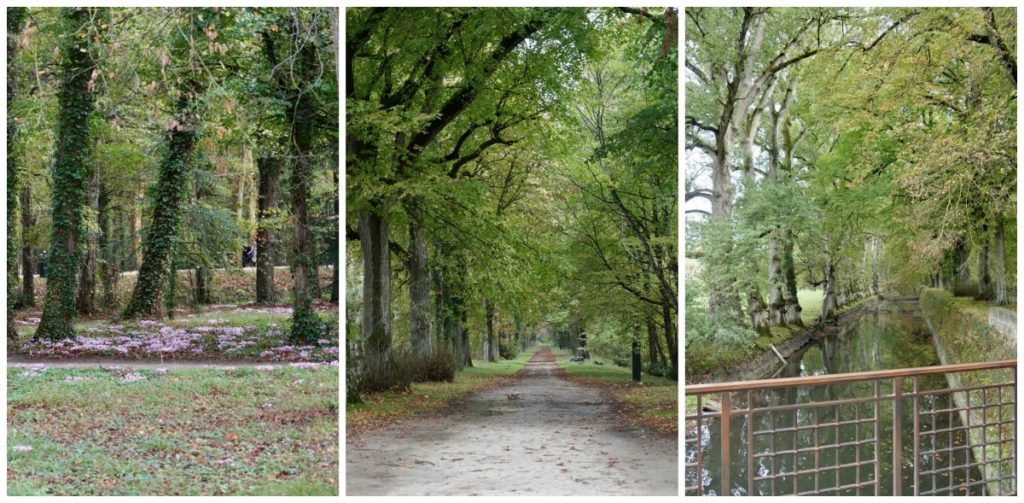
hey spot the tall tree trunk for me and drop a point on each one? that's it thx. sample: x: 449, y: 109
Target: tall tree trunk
x: 670, y: 337
x: 789, y: 293
x: 28, y: 291
x: 71, y: 171
x: 305, y: 322
x: 962, y: 273
x: 419, y: 290
x: 654, y: 353
x: 162, y: 235
x: 373, y: 239
x: 439, y: 301
x: 87, y: 277
x: 131, y: 260
x: 1000, y: 263
x: 336, y: 239
x: 828, y: 302
x: 984, y: 279
x: 203, y: 289
x: 269, y: 175
x: 15, y: 19
x: 106, y: 256
x: 776, y: 280
x: 491, y: 353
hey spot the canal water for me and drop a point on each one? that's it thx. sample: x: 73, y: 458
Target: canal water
x: 890, y: 336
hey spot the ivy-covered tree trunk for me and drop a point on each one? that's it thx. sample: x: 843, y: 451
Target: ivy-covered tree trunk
x: 28, y: 284
x: 162, y: 234
x: 269, y: 183
x: 71, y: 172
x: 15, y: 18
x: 302, y: 116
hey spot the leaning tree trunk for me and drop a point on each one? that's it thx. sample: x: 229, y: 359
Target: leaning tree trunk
x: 1000, y: 263
x: 269, y: 183
x: 71, y: 171
x: 162, y: 234
x: 15, y: 17
x: 419, y: 290
x: 28, y: 290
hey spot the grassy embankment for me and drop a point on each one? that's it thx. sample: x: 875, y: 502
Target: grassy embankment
x: 184, y: 432
x: 960, y: 327
x: 378, y: 409
x: 654, y: 402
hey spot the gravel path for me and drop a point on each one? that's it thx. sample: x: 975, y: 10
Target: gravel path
x: 554, y: 437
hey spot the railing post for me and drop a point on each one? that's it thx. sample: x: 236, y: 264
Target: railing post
x: 700, y: 447
x: 878, y: 437
x: 750, y: 444
x: 726, y: 406
x: 897, y: 436
x: 917, y: 435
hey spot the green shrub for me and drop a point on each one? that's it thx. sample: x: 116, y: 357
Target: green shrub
x: 436, y: 366
x: 507, y: 349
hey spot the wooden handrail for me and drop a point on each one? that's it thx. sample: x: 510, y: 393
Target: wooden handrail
x: 788, y: 382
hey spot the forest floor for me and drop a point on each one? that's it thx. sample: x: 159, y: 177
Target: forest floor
x: 213, y: 402
x: 119, y: 431
x: 541, y: 434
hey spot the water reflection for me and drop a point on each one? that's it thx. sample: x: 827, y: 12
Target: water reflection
x: 831, y: 449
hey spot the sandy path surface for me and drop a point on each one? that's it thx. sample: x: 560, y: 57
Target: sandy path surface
x: 557, y: 438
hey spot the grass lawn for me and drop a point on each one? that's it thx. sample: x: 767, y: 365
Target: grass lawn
x: 185, y: 432
x: 654, y: 402
x: 378, y: 409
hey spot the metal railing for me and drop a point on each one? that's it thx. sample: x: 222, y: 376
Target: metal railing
x: 832, y: 434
